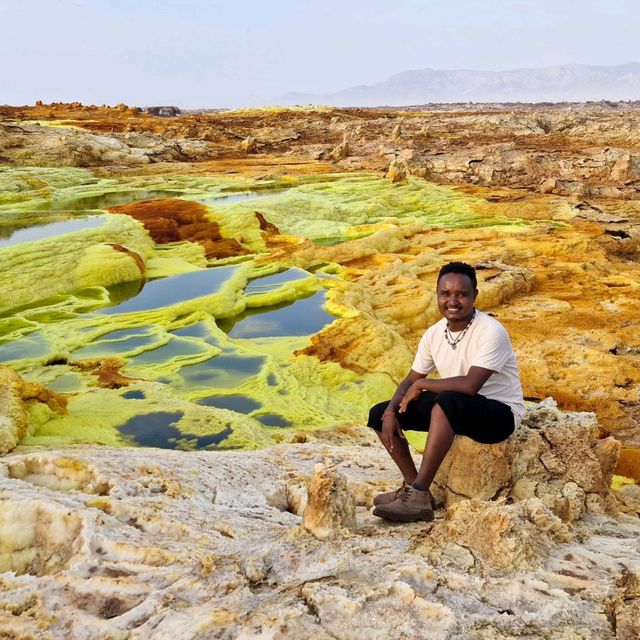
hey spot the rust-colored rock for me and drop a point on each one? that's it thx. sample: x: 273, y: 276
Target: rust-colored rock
x: 629, y: 463
x: 224, y: 248
x: 132, y: 254
x: 172, y: 220
x: 347, y: 340
x: 265, y: 225
x: 106, y: 370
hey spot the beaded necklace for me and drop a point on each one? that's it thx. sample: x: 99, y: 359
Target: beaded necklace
x: 453, y: 342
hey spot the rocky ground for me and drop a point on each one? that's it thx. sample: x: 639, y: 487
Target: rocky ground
x: 580, y: 152
x: 103, y: 543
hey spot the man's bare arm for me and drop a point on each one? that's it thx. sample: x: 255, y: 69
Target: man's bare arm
x: 390, y: 424
x: 411, y: 378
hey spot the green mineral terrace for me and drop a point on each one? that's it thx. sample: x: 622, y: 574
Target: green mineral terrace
x: 161, y: 340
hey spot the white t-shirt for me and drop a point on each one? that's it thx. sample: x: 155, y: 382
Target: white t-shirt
x: 487, y: 345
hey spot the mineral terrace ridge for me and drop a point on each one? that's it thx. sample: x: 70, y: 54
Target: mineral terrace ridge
x: 235, y: 289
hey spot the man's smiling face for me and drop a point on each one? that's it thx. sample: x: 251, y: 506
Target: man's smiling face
x: 456, y: 297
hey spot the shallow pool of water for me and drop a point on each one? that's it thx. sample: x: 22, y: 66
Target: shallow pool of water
x: 300, y: 318
x: 105, y: 200
x: 165, y: 292
x: 275, y: 280
x: 239, y: 404
x: 157, y: 430
x: 225, y: 371
x: 134, y: 394
x: 176, y: 349
x: 197, y: 330
x: 50, y: 229
x: 69, y: 382
x: 238, y: 197
x: 33, y: 346
x: 125, y: 334
x: 273, y: 420
x: 117, y: 347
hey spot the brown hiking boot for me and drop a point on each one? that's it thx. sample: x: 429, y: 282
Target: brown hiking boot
x: 389, y: 496
x: 410, y: 505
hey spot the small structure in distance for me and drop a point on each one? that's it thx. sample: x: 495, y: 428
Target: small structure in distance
x: 163, y: 111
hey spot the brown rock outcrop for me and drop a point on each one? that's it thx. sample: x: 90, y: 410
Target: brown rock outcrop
x: 576, y: 150
x: 397, y: 171
x: 552, y: 457
x: 339, y: 152
x: 71, y: 147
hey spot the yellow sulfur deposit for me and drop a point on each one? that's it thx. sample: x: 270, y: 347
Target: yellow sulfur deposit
x: 312, y: 319
x: 228, y: 356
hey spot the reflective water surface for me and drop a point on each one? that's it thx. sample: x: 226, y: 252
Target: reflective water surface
x: 157, y: 430
x: 300, y: 318
x: 50, y: 229
x: 165, y: 292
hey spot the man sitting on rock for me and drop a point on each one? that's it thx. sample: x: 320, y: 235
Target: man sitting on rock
x: 478, y: 395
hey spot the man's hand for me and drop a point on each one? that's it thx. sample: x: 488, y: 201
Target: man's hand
x: 390, y: 430
x: 412, y: 393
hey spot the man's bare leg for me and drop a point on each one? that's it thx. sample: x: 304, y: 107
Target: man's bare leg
x: 416, y: 502
x: 438, y: 444
x: 399, y: 452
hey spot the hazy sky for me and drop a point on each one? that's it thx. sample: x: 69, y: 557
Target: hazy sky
x: 206, y: 53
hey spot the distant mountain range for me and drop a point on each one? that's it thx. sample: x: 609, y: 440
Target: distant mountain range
x: 571, y: 82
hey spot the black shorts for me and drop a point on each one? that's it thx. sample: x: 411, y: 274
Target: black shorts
x: 479, y: 418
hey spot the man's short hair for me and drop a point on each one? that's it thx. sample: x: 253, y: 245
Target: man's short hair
x: 461, y: 268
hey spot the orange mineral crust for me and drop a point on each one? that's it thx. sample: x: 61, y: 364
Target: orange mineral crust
x: 106, y: 371
x: 173, y: 220
x: 629, y: 463
x: 132, y: 254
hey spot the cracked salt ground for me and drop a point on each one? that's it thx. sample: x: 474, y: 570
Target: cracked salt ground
x: 169, y: 547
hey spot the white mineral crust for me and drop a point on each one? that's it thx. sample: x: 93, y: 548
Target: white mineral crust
x: 152, y: 544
